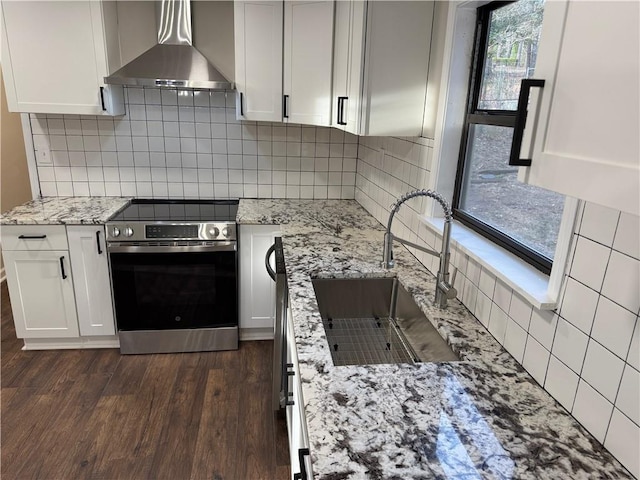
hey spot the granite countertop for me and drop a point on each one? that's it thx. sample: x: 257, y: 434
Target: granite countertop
x: 481, y: 417
x: 65, y: 211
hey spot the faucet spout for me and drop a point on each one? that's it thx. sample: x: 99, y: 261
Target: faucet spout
x: 444, y: 288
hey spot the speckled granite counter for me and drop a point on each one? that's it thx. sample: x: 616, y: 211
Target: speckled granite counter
x: 65, y: 211
x: 482, y: 417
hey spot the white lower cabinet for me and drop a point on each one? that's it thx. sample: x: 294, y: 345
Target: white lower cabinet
x: 41, y: 291
x: 257, y: 289
x: 296, y: 421
x: 58, y: 281
x: 92, y: 286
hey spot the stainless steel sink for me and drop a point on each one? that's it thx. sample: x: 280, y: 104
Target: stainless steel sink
x: 364, y: 319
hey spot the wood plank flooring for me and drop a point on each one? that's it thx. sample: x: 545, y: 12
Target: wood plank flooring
x: 98, y: 415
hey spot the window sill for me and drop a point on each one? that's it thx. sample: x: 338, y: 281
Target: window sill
x: 525, y: 280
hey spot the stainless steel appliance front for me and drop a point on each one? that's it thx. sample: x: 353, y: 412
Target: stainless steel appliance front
x: 174, y: 279
x: 280, y: 391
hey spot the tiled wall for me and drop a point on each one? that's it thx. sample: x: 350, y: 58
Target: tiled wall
x: 188, y: 144
x: 586, y: 352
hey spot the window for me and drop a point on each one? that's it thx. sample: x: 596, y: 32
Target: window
x: 488, y: 196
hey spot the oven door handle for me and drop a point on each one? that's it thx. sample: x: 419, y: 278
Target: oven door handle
x: 267, y: 264
x: 218, y: 247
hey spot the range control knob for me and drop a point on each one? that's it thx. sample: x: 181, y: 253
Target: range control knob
x: 128, y: 231
x: 214, y: 232
x: 225, y: 232
x: 115, y: 231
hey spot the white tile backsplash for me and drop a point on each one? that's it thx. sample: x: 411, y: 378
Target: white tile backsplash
x: 388, y: 167
x: 536, y: 359
x: 561, y: 382
x: 627, y: 238
x: 623, y: 440
x: 622, y: 281
x: 543, y: 326
x: 579, y: 305
x: 187, y: 130
x: 570, y: 345
x: 633, y: 358
x: 520, y: 311
x: 599, y: 223
x: 629, y: 394
x: 603, y: 370
x: 590, y: 263
x: 498, y: 323
x: 515, y: 340
x: 592, y: 410
x: 613, y: 327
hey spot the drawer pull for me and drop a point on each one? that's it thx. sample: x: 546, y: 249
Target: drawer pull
x: 64, y: 275
x: 302, y: 452
x: 98, y: 242
x: 32, y: 237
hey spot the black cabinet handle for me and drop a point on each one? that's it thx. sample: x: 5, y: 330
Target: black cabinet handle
x: 285, y: 101
x: 98, y: 242
x: 32, y: 237
x: 521, y: 121
x: 64, y: 275
x: 341, y: 110
x: 241, y: 106
x: 104, y: 108
x: 302, y: 452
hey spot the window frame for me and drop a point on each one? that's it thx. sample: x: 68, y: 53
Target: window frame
x: 501, y: 118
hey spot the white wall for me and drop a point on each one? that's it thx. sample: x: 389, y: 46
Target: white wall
x: 188, y: 144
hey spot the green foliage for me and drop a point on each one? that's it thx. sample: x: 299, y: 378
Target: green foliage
x: 514, y: 24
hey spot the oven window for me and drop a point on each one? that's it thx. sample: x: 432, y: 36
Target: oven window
x: 161, y: 291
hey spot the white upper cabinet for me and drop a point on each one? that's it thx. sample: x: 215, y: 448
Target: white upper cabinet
x: 381, y: 62
x: 308, y: 54
x: 55, y: 55
x: 88, y: 255
x: 258, y: 51
x: 585, y: 143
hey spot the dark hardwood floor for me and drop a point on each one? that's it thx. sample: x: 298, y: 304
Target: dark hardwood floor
x: 94, y: 414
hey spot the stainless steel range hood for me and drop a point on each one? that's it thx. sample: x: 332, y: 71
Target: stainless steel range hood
x: 174, y: 62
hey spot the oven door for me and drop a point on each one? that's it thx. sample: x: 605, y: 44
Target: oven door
x: 174, y: 287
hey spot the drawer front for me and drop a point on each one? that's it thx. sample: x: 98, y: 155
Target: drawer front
x: 34, y: 237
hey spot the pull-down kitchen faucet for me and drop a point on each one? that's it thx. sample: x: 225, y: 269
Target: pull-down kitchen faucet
x: 444, y: 288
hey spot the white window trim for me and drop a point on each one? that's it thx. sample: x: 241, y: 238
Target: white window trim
x: 542, y: 291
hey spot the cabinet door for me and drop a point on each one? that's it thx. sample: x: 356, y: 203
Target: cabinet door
x: 55, y: 57
x: 257, y: 289
x: 258, y: 52
x: 308, y: 53
x: 348, y: 53
x: 586, y: 139
x: 396, y: 65
x: 91, y: 280
x: 41, y: 291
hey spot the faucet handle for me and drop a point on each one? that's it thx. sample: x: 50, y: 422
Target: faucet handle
x: 450, y: 291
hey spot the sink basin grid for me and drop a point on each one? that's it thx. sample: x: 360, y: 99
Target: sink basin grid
x: 364, y: 341
x: 363, y: 320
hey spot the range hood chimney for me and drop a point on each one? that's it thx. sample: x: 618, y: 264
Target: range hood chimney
x: 174, y: 62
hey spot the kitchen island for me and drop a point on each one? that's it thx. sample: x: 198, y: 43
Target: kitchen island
x: 481, y: 417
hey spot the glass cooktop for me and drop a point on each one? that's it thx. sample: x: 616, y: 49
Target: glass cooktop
x: 159, y: 210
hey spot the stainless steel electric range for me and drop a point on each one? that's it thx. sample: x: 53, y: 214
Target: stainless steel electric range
x: 174, y: 274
